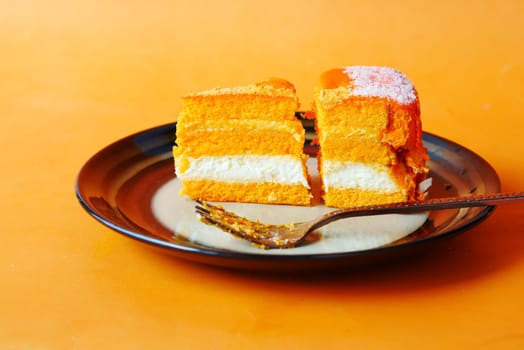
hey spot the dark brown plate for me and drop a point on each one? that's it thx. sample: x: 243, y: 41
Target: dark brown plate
x: 116, y: 187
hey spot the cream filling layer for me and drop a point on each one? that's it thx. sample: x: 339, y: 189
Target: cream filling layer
x: 246, y: 168
x: 337, y: 174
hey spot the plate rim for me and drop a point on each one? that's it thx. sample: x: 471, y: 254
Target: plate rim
x: 204, y: 251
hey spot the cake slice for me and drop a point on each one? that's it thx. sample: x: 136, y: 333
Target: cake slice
x: 242, y: 144
x: 370, y: 137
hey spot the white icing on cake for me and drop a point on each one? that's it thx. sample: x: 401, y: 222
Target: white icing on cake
x: 246, y: 168
x: 385, y: 82
x: 363, y: 176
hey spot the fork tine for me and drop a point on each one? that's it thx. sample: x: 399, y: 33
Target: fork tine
x: 207, y: 217
x: 213, y: 214
x: 201, y: 210
x: 220, y: 213
x: 209, y: 220
x: 208, y: 208
x: 230, y: 222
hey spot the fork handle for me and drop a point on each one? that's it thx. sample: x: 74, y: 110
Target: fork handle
x: 424, y: 205
x: 465, y: 201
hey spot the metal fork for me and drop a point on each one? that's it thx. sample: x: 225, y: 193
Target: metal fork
x: 268, y: 236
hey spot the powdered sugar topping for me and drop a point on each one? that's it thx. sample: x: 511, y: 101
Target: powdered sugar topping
x: 385, y: 82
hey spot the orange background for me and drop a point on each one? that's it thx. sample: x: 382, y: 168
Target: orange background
x: 77, y: 75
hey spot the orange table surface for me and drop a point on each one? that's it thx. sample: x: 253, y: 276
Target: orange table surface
x: 78, y: 75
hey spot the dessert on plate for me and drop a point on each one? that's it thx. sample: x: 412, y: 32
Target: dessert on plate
x: 242, y: 144
x: 369, y: 133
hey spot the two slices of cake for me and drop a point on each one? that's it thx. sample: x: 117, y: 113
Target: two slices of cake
x: 245, y: 144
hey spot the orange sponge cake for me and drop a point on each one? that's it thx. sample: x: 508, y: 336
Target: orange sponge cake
x: 370, y: 137
x: 242, y: 144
